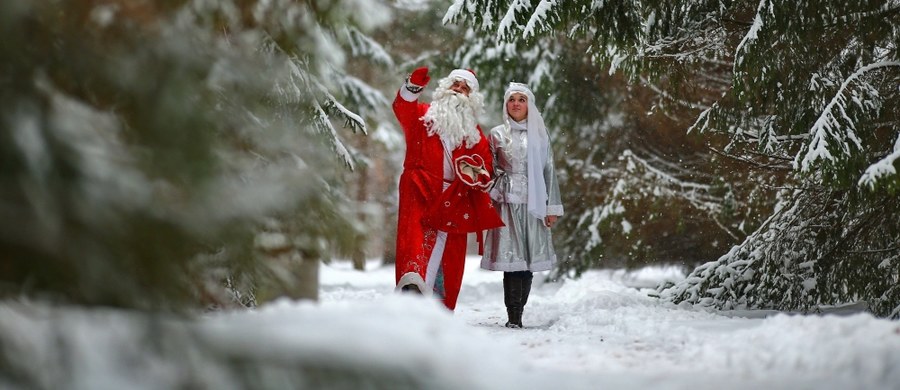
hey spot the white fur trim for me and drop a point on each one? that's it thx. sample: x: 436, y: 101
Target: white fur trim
x: 434, y: 263
x: 555, y: 210
x: 518, y: 88
x: 414, y: 279
x: 407, y: 95
x: 466, y: 75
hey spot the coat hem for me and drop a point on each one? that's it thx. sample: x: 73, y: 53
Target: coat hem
x: 517, y: 266
x: 413, y: 278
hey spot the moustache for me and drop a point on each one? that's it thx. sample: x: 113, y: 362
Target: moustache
x: 458, y: 98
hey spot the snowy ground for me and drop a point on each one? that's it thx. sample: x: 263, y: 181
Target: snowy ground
x: 599, y: 332
x: 604, y: 331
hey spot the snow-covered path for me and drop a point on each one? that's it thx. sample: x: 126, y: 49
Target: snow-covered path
x: 604, y: 331
x: 597, y: 332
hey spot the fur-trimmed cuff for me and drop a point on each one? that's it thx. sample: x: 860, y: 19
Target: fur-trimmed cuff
x: 555, y: 210
x: 406, y: 91
x: 415, y: 279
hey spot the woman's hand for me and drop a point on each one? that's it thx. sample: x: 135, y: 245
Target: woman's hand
x: 550, y: 220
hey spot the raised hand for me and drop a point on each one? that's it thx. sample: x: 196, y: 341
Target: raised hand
x: 419, y: 77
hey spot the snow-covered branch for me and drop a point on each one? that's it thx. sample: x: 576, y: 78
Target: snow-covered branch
x: 323, y: 124
x: 827, y: 132
x: 881, y: 169
x: 364, y: 46
x: 453, y: 11
x: 505, y: 25
x: 538, y: 17
x: 751, y: 34
x: 680, y: 102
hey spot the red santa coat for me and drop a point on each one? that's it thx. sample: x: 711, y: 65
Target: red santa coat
x: 425, y: 207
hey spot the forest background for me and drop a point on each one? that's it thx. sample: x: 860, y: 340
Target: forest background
x: 185, y: 155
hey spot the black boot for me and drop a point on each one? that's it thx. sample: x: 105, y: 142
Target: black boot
x: 525, y: 277
x: 512, y: 293
x: 515, y: 318
x: 411, y: 289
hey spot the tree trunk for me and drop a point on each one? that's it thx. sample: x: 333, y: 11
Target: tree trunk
x: 359, y: 254
x: 389, y: 254
x: 306, y: 278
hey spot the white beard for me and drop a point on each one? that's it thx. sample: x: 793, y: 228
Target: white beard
x: 452, y: 117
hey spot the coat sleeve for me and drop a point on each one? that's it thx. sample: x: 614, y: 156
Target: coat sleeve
x: 408, y: 109
x: 496, y: 143
x: 554, y: 201
x: 487, y: 152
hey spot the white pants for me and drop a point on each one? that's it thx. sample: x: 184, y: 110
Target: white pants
x: 434, y: 262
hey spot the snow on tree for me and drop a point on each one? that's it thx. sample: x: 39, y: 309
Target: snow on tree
x: 163, y: 155
x: 601, y: 129
x: 804, y: 94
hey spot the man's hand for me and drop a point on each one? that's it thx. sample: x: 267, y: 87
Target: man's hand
x: 419, y: 77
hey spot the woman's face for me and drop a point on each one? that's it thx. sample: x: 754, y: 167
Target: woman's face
x: 517, y: 106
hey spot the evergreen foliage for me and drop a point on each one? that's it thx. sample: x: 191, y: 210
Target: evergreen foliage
x: 794, y: 95
x: 637, y: 188
x: 151, y: 149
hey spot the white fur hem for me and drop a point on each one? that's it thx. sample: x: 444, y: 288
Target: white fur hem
x: 414, y: 279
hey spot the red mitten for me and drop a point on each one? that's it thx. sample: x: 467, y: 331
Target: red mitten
x: 419, y: 77
x: 470, y: 169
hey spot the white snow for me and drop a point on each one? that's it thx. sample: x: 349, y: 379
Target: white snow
x: 751, y: 33
x: 538, y: 18
x: 830, y: 130
x: 506, y: 24
x: 626, y: 227
x: 882, y: 168
x: 602, y: 331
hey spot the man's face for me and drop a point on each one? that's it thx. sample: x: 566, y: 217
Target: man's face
x: 460, y: 86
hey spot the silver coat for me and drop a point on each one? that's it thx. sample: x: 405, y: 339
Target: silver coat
x: 524, y: 244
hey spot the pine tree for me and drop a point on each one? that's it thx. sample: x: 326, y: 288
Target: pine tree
x: 800, y: 94
x: 161, y: 155
x: 637, y: 188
